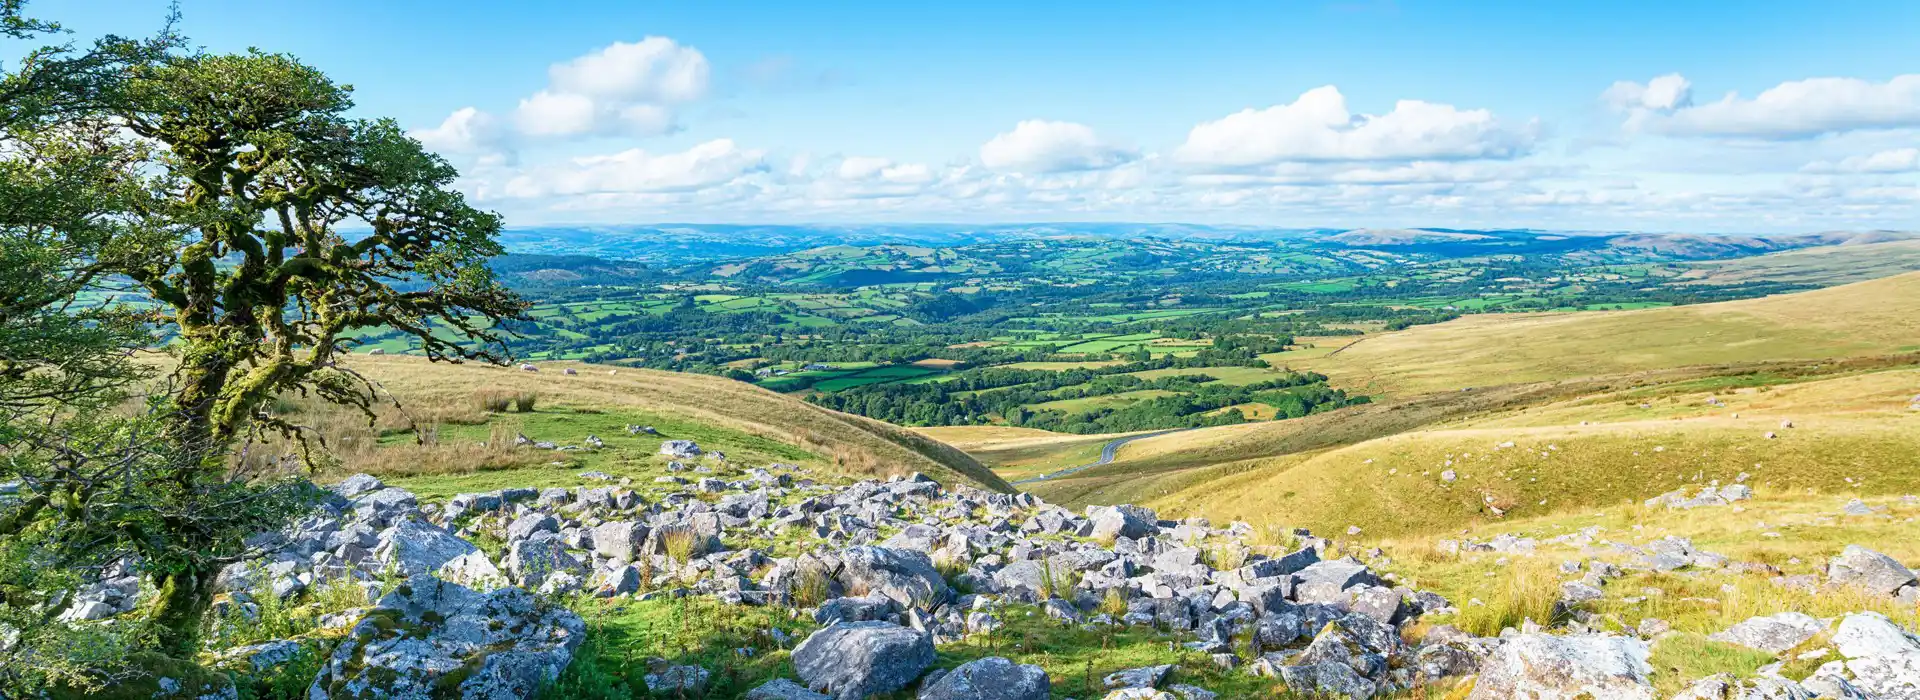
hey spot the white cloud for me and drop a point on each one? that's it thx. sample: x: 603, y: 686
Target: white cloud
x: 625, y: 88
x: 1318, y: 127
x: 1898, y: 160
x: 556, y: 114
x: 467, y: 131
x: 1038, y: 146
x: 1793, y: 109
x: 1665, y: 93
x: 655, y: 69
x: 707, y: 165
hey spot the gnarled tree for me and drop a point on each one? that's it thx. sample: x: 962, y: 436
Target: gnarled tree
x: 294, y: 225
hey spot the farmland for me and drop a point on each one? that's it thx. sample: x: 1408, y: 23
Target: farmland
x: 1093, y: 333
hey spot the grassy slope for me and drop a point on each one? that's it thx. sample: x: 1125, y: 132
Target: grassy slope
x: 1018, y: 453
x: 1852, y: 433
x: 1869, y: 318
x: 1827, y: 265
x: 736, y: 417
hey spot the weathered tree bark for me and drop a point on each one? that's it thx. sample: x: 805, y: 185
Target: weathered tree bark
x: 180, y: 607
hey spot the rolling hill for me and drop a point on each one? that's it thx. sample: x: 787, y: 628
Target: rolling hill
x: 1868, y: 318
x: 754, y: 426
x: 1597, y: 448
x: 1826, y: 265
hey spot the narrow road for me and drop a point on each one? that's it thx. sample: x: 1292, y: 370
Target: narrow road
x: 1107, y: 453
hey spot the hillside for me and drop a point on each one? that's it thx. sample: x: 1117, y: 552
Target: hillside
x: 1826, y: 265
x: 1867, y: 318
x: 1592, y: 450
x: 739, y: 419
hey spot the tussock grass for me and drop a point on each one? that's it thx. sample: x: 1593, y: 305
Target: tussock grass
x: 499, y: 401
x: 1527, y: 590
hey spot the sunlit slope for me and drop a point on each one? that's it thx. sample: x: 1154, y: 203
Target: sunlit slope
x: 853, y: 444
x: 1868, y: 318
x: 1020, y: 453
x: 1856, y: 433
x: 1826, y: 265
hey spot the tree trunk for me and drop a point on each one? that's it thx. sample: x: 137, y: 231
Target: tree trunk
x: 179, y: 608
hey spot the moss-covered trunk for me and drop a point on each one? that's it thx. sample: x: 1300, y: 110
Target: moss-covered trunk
x: 180, y: 607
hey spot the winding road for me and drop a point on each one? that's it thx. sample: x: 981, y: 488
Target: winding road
x: 1107, y: 453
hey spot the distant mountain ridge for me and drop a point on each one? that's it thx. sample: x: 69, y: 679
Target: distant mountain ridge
x: 686, y: 245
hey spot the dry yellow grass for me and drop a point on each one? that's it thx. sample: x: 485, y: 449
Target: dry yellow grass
x: 434, y: 393
x: 1868, y: 318
x: 1019, y: 453
x: 1824, y: 265
x: 1853, y: 433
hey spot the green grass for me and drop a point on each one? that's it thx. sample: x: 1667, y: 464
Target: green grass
x: 699, y: 631
x: 624, y: 455
x: 1092, y: 403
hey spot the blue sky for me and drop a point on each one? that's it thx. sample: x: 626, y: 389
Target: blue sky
x: 1613, y: 115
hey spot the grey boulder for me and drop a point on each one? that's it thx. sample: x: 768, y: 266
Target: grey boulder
x: 1868, y: 570
x: 991, y: 678
x: 1774, y: 633
x: 1549, y: 667
x: 904, y: 575
x: 857, y: 659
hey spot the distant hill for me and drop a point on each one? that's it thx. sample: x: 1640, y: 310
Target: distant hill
x: 534, y: 270
x: 1857, y: 260
x: 1867, y: 318
x: 675, y: 246
x: 1390, y: 237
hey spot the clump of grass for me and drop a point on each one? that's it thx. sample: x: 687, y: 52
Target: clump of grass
x: 1114, y: 603
x: 1529, y: 594
x: 1680, y: 658
x: 811, y: 587
x: 681, y: 544
x: 501, y: 400
x: 1227, y: 556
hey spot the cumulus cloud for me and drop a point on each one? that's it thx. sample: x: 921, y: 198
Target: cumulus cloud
x: 631, y: 89
x: 1038, y: 146
x: 1318, y: 127
x: 1898, y: 160
x: 625, y: 88
x: 635, y: 170
x: 467, y: 132
x: 1665, y: 93
x: 1790, y: 110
